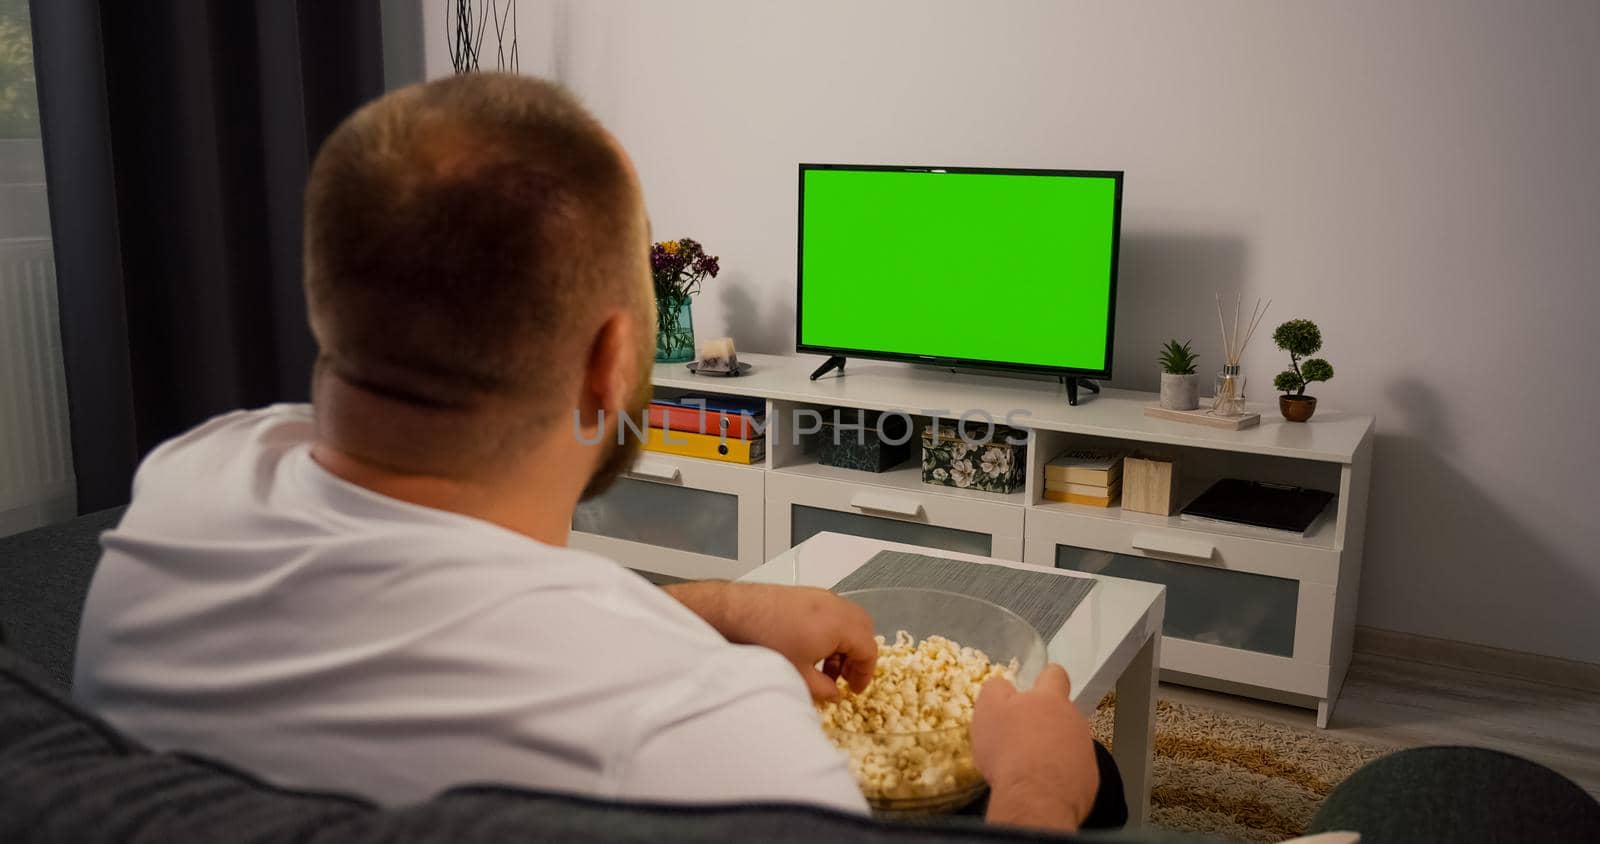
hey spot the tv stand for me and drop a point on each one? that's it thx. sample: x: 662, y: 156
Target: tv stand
x: 1072, y: 381
x: 832, y: 363
x: 1266, y: 614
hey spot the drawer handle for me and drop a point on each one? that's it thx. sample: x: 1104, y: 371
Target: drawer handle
x: 1194, y: 549
x: 656, y: 471
x: 886, y: 504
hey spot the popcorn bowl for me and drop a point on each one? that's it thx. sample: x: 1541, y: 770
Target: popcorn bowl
x: 930, y: 771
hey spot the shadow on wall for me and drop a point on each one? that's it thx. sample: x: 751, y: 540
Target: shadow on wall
x: 1425, y: 509
x: 754, y: 328
x: 1166, y: 284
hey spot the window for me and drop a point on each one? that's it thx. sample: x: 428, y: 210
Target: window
x: 36, y: 480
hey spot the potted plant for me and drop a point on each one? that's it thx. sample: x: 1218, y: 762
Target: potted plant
x: 678, y: 267
x: 1180, y: 387
x: 1300, y: 338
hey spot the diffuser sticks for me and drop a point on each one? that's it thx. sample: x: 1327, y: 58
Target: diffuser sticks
x: 1229, y: 395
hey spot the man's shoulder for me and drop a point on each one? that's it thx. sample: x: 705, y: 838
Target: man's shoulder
x: 229, y: 436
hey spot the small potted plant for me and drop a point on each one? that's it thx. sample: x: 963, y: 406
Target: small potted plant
x: 1300, y: 338
x: 1180, y: 387
x: 678, y: 267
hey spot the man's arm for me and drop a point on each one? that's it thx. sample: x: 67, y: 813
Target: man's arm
x: 747, y: 733
x: 805, y: 625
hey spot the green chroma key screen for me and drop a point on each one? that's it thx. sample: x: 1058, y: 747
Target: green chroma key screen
x: 1000, y: 267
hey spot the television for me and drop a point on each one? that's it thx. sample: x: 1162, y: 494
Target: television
x: 961, y: 266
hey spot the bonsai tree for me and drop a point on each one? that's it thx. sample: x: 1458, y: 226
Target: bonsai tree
x: 1300, y: 338
x: 1178, y: 359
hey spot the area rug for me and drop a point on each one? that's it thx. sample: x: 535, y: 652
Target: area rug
x: 1237, y: 777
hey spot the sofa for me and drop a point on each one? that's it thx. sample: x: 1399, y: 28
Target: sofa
x: 67, y: 776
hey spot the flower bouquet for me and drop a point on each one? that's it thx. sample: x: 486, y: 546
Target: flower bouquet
x: 678, y: 267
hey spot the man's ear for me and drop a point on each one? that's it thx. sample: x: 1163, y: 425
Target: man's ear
x: 609, y: 375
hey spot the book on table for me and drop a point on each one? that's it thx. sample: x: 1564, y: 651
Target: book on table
x: 1091, y: 466
x: 1085, y: 500
x: 1090, y: 495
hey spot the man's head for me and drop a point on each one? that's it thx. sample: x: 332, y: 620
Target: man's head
x: 476, y: 270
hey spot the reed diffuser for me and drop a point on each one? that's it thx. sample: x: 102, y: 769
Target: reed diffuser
x: 1228, y: 398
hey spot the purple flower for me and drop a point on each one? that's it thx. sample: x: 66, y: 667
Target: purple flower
x: 678, y: 266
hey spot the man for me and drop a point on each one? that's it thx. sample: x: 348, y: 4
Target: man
x: 373, y: 594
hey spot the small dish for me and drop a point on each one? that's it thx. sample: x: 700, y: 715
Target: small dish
x: 694, y: 366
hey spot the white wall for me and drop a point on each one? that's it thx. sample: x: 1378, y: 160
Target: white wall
x: 1421, y: 178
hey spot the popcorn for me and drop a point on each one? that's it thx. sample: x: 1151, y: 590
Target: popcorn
x: 906, y: 735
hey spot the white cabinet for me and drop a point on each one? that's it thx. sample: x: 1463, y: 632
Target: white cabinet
x: 800, y: 505
x: 680, y: 516
x: 1270, y: 617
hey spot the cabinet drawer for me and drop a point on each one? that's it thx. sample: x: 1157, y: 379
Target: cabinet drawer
x: 1244, y: 606
x: 679, y: 516
x: 1155, y: 537
x: 799, y: 506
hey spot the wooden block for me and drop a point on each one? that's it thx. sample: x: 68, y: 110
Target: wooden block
x: 1150, y: 485
x: 1204, y: 416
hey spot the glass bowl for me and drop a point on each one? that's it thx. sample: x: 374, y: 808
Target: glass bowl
x: 949, y: 781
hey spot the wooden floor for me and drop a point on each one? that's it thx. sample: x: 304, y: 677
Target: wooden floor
x: 1402, y: 703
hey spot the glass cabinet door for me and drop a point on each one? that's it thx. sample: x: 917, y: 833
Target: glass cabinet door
x: 806, y: 522
x: 665, y: 515
x: 1234, y: 609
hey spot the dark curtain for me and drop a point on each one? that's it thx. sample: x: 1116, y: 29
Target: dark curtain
x: 178, y: 134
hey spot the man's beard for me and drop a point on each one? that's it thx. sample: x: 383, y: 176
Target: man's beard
x: 624, y: 445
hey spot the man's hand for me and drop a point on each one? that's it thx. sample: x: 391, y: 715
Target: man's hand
x: 1036, y: 751
x: 805, y: 625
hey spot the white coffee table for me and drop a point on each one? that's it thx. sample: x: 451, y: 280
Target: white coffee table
x: 1111, y: 640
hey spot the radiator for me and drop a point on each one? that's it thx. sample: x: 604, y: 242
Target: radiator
x: 36, y: 480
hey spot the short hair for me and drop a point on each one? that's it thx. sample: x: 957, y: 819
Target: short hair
x: 457, y: 234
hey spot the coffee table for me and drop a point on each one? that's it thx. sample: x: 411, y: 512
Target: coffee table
x: 1112, y: 640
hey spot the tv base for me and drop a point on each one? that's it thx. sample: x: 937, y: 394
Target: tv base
x: 832, y: 363
x: 1072, y: 382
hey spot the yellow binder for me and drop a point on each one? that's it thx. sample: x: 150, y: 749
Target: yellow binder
x: 708, y: 446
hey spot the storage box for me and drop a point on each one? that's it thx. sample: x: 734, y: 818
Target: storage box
x: 993, y: 465
x: 855, y: 440
x: 1150, y: 484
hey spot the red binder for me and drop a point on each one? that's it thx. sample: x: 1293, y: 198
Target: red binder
x: 696, y: 421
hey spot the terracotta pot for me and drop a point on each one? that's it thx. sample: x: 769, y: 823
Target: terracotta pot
x: 1297, y: 408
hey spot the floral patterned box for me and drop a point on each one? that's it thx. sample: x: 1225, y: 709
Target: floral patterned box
x: 994, y: 464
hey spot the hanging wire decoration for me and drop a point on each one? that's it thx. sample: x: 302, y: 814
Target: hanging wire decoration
x: 465, y: 26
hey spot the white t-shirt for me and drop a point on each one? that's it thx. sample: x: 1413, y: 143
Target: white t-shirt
x: 254, y: 608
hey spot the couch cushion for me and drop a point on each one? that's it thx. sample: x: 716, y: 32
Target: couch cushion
x: 46, y: 573
x: 67, y: 776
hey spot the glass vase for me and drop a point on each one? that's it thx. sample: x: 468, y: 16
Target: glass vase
x: 674, y: 331
x: 1228, y: 395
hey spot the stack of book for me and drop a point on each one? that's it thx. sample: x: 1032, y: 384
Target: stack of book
x: 1088, y: 476
x: 726, y: 428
